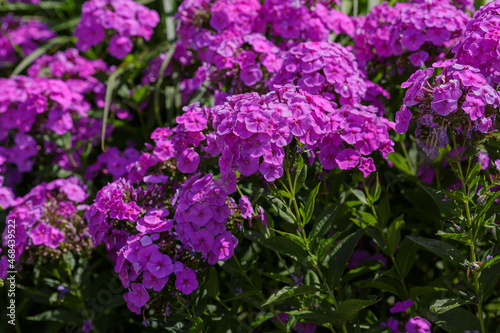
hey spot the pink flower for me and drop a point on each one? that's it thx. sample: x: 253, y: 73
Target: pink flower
x: 348, y: 158
x: 120, y: 46
x: 186, y: 280
x: 401, y: 306
x: 188, y: 161
x: 138, y: 296
x: 418, y: 325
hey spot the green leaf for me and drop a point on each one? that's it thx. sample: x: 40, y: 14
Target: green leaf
x: 376, y: 190
x: 456, y: 320
x: 337, y: 260
x: 324, y: 221
x: 383, y: 211
x: 313, y: 316
x: 349, y: 309
x: 140, y: 94
x: 278, y: 243
x: 421, y: 290
x: 367, y: 217
x: 473, y: 172
x: 309, y: 208
x: 446, y: 206
x: 400, y: 163
x: 394, y: 234
x: 491, y: 262
x: 294, y: 238
x: 300, y: 178
x: 288, y: 292
x: 360, y: 195
x: 458, y: 237
x: 444, y: 305
x: 281, y: 208
x: 486, y: 206
x: 405, y: 257
x: 441, y: 249
x: 58, y: 315
x: 212, y: 282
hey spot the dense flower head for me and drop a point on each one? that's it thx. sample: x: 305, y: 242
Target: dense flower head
x: 28, y: 35
x: 47, y: 219
x: 78, y: 72
x: 459, y: 99
x: 328, y: 69
x: 30, y: 108
x: 479, y: 47
x: 253, y: 131
x: 224, y: 38
x: 123, y: 21
x: 417, y: 33
x: 305, y: 20
x: 151, y: 234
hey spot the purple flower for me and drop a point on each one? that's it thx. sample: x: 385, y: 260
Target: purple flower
x: 87, y: 326
x: 202, y: 241
x: 160, y: 265
x: 246, y: 207
x: 138, y: 296
x: 347, y: 159
x: 120, y: 46
x: 392, y: 324
x: 188, y: 161
x: 418, y: 325
x: 401, y: 306
x: 186, y: 281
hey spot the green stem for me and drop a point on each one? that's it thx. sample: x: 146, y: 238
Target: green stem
x: 478, y: 291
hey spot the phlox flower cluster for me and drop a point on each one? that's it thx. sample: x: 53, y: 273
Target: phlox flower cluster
x: 253, y: 133
x: 459, y: 99
x: 122, y: 21
x: 153, y: 234
x: 78, y: 72
x: 28, y: 35
x: 224, y: 36
x: 305, y: 20
x: 419, y: 31
x: 30, y: 107
x: 480, y: 45
x: 328, y: 69
x: 48, y: 221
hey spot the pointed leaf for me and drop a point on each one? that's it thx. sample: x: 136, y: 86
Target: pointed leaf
x: 441, y: 249
x: 349, y: 309
x: 288, y: 292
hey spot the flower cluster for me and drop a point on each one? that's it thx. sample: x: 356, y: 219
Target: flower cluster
x: 148, y: 243
x: 421, y: 31
x: 225, y: 37
x: 479, y: 47
x: 20, y: 38
x: 252, y: 133
x: 30, y: 107
x: 47, y: 220
x: 122, y: 21
x: 305, y: 20
x: 459, y: 99
x: 78, y: 72
x: 328, y: 69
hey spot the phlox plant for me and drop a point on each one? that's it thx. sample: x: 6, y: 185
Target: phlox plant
x: 250, y: 166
